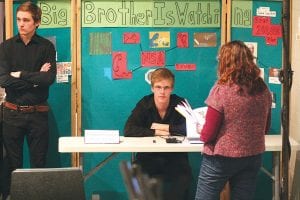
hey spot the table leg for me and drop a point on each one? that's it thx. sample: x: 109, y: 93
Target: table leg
x: 276, y: 172
x: 81, y: 161
x: 101, y: 164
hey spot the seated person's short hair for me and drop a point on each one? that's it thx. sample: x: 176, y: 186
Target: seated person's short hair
x: 162, y: 74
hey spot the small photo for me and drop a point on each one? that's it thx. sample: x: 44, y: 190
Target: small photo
x: 205, y: 39
x: 253, y: 48
x: 274, y: 75
x: 273, y: 100
x: 159, y: 39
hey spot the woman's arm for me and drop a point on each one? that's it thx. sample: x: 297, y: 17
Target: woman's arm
x: 213, y: 121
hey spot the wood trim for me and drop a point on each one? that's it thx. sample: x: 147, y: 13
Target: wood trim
x: 76, y: 74
x: 228, y: 20
x: 223, y: 22
x: 78, y: 69
x: 8, y: 18
x: 74, y: 94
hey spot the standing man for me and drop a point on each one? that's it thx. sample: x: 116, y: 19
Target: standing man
x: 27, y: 69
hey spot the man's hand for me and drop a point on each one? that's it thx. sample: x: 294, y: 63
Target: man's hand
x: 162, y: 127
x: 161, y: 133
x: 15, y: 74
x: 45, y: 67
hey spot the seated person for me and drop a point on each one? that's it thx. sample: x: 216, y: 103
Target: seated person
x: 155, y: 115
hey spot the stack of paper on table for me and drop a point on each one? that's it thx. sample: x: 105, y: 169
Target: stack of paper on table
x: 193, y: 117
x: 101, y: 136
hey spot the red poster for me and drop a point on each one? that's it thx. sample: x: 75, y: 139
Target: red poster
x: 131, y: 38
x: 185, y: 67
x: 119, y: 65
x: 261, y: 20
x: 271, y: 40
x: 262, y: 27
x: 153, y: 59
x: 183, y: 40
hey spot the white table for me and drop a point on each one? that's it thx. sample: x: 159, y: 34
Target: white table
x: 158, y: 144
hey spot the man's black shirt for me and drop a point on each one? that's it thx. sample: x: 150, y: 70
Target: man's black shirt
x: 145, y: 113
x: 32, y: 87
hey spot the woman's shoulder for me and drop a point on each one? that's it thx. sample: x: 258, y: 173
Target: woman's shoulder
x: 221, y: 89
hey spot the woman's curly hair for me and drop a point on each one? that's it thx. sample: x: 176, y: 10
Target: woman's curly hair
x: 236, y: 66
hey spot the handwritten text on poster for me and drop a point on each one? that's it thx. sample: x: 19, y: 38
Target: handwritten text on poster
x: 145, y: 13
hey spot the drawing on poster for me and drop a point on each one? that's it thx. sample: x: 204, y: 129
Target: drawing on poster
x: 100, y: 43
x: 159, y: 39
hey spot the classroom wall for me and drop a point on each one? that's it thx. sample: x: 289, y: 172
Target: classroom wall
x: 89, y: 122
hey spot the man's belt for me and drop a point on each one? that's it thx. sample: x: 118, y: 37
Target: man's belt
x: 26, y: 109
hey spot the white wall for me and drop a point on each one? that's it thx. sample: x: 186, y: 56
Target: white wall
x: 295, y: 96
x: 295, y: 93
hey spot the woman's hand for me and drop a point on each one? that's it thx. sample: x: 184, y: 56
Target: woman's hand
x: 199, y: 128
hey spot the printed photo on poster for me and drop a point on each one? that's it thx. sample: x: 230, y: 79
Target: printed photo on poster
x: 159, y: 39
x: 253, y: 48
x: 262, y: 73
x: 273, y: 100
x: 274, y: 76
x: 205, y: 39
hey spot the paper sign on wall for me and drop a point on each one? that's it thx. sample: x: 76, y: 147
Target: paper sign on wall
x: 119, y: 68
x: 131, y: 38
x: 183, y: 40
x: 262, y: 27
x: 185, y: 67
x: 153, y: 59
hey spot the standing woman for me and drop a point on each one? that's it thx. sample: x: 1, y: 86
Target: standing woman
x: 238, y: 117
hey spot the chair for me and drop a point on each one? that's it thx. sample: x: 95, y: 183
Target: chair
x: 139, y: 186
x: 47, y: 184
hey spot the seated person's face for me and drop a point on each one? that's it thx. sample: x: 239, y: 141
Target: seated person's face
x: 162, y: 91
